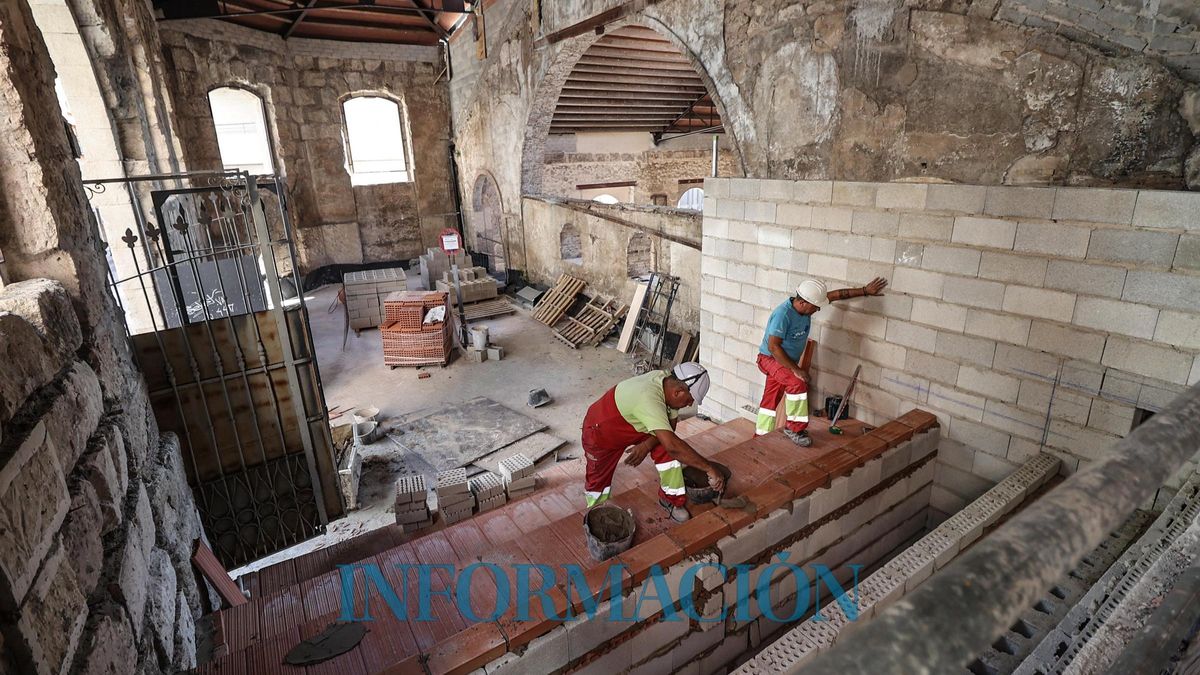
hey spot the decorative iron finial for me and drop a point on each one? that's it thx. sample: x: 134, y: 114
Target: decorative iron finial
x: 130, y: 238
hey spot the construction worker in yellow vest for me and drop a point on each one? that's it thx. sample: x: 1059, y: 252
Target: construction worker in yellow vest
x: 638, y: 416
x: 782, y: 346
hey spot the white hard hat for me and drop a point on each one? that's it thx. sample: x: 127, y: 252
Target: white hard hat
x: 813, y: 291
x: 695, y: 377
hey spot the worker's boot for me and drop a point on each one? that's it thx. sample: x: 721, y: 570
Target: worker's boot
x: 800, y: 438
x: 678, y: 513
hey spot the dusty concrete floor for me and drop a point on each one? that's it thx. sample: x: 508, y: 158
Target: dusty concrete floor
x: 357, y: 377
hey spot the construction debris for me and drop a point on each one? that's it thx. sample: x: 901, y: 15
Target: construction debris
x: 474, y: 283
x: 495, y: 352
x: 435, y: 262
x: 538, y: 398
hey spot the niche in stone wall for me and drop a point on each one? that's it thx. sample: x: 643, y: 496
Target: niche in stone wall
x: 638, y: 255
x: 570, y: 244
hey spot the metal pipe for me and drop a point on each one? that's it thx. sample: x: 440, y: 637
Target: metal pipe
x: 715, y: 154
x: 705, y: 130
x: 961, y: 610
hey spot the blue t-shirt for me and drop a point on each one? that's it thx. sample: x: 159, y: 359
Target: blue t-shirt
x: 792, y: 326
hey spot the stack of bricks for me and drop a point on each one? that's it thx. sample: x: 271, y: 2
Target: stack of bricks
x: 407, y: 340
x: 517, y: 472
x: 474, y: 283
x: 365, y: 292
x: 454, y: 496
x: 436, y: 262
x: 412, y: 503
x: 489, y: 491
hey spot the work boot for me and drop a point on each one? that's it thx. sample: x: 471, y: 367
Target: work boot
x: 800, y: 438
x: 678, y: 514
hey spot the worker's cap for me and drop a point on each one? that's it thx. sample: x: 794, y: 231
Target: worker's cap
x: 695, y: 377
x: 813, y: 291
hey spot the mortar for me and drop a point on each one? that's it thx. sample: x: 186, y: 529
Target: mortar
x: 608, y: 530
x: 695, y: 482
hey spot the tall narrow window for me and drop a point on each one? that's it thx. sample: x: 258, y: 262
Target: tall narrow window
x: 375, y: 147
x: 241, y: 125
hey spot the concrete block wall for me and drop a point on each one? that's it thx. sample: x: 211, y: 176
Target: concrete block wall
x: 96, y: 533
x: 857, y: 518
x: 994, y: 293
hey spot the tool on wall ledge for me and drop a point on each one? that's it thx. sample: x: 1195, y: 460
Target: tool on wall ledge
x: 833, y: 427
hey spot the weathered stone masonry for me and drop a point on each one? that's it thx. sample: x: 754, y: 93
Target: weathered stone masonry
x: 302, y: 84
x: 96, y: 518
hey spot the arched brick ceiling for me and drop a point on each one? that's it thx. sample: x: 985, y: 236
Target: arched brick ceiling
x: 633, y: 79
x: 416, y: 22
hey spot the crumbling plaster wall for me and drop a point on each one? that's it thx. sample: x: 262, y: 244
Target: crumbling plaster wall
x: 98, y: 520
x: 655, y: 171
x: 303, y: 83
x: 853, y: 90
x: 605, y: 246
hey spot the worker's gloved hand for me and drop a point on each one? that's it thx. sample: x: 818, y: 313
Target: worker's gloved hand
x: 716, y: 480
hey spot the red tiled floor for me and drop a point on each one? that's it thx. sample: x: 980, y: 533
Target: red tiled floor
x: 699, y: 533
x: 497, y: 526
x: 919, y: 420
x: 660, y: 550
x: 768, y: 496
x: 894, y: 433
x: 467, y: 651
x: 467, y: 540
x: 349, y: 663
x: 527, y: 516
x: 554, y: 504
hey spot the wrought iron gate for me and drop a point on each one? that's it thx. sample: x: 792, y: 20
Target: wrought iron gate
x: 227, y: 355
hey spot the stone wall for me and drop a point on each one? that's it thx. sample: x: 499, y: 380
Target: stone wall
x: 655, y: 171
x: 303, y: 83
x: 850, y: 90
x: 98, y: 521
x: 995, y: 293
x: 606, y: 247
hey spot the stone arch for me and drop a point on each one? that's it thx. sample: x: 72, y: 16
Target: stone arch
x: 488, y: 220
x: 541, y: 108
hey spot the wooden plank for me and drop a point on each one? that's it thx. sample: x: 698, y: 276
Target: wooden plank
x: 681, y: 351
x: 212, y: 569
x: 635, y: 309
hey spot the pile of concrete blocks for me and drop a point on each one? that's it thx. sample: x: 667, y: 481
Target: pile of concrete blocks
x: 365, y: 292
x: 412, y: 503
x: 436, y: 262
x: 454, y: 497
x: 518, y: 475
x: 489, y: 491
x: 474, y: 282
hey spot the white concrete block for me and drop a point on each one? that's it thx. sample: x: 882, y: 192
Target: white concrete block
x: 1139, y: 247
x: 911, y: 335
x: 849, y: 245
x: 926, y: 226
x: 1003, y: 327
x: 903, y: 196
x: 1085, y: 278
x: 1021, y: 202
x: 1178, y: 329
x: 813, y: 191
x: 875, y: 223
x: 854, y: 194
x: 1099, y: 205
x: 837, y: 218
x: 953, y: 259
x: 1117, y: 317
x: 1177, y: 291
x: 989, y: 383
x: 1020, y: 269
x: 942, y: 315
x: 1167, y: 209
x: 1066, y: 341
x: 960, y: 198
x: 974, y: 293
x: 793, y: 215
x: 917, y: 282
x: 1039, y: 302
x: 966, y: 348
x: 1150, y: 360
x: 760, y: 211
x: 774, y: 236
x: 990, y: 232
x: 1052, y: 239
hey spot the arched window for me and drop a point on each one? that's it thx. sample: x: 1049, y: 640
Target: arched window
x: 692, y: 199
x: 605, y: 199
x: 637, y: 255
x: 376, y: 151
x: 241, y: 126
x: 570, y: 244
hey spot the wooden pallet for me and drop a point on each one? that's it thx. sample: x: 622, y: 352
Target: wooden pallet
x: 488, y: 308
x: 555, y: 303
x: 592, y: 324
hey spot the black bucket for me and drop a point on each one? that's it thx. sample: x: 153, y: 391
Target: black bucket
x: 831, y: 406
x: 695, y: 482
